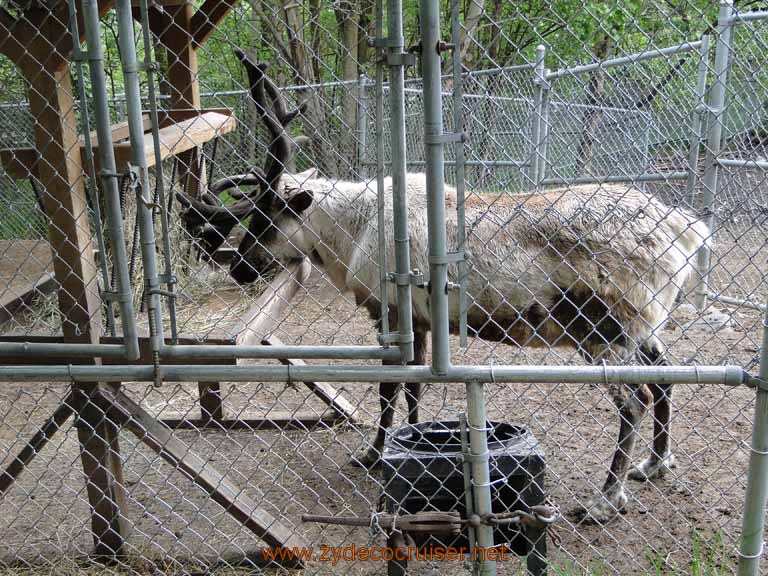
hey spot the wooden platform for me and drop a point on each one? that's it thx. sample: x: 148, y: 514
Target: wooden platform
x: 180, y: 131
x: 25, y: 272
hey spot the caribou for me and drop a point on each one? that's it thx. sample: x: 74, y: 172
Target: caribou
x: 595, y: 268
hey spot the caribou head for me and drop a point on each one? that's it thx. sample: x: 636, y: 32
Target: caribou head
x: 210, y: 222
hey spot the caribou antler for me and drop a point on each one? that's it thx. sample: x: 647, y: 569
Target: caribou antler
x: 207, y: 219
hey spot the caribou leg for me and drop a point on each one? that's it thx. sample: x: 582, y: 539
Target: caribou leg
x: 388, y: 393
x: 661, y: 459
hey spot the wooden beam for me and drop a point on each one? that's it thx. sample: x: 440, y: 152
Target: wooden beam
x: 326, y: 392
x: 29, y: 277
x: 305, y: 421
x: 208, y: 17
x: 36, y: 444
x: 47, y: 43
x: 120, y: 131
x: 211, y: 408
x: 182, y: 77
x: 180, y: 137
x: 271, y: 305
x: 181, y: 130
x: 51, y: 102
x: 100, y: 456
x: 120, y: 408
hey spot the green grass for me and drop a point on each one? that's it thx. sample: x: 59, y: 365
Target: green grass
x: 708, y: 558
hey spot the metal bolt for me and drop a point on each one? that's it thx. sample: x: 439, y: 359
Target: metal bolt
x: 444, y: 46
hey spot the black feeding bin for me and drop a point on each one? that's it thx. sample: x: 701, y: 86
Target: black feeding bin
x: 423, y: 472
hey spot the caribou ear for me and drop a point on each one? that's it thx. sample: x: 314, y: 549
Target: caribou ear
x: 299, y: 200
x: 294, y: 182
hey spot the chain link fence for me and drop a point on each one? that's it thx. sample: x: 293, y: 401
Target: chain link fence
x: 242, y: 275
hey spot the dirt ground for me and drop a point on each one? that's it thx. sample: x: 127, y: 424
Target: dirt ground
x: 177, y: 529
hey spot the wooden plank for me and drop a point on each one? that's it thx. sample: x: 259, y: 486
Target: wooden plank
x: 305, y: 421
x: 182, y: 77
x: 179, y: 137
x: 221, y: 489
x: 36, y: 444
x: 25, y: 272
x: 270, y: 306
x: 100, y: 456
x: 120, y: 131
x: 51, y: 103
x: 178, y: 114
x: 21, y: 163
x: 145, y: 352
x: 210, y: 401
x: 207, y: 18
x: 326, y: 392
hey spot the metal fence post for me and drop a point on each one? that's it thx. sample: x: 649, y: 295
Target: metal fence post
x: 481, y: 476
x: 541, y: 172
x: 434, y: 141
x: 697, y: 119
x: 396, y: 62
x: 109, y: 183
x: 536, y: 120
x: 144, y: 201
x: 361, y: 142
x: 458, y: 126
x: 756, y: 496
x: 380, y: 202
x: 716, y: 109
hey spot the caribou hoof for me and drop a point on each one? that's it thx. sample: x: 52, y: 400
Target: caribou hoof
x: 653, y: 467
x: 602, y: 509
x: 367, y: 458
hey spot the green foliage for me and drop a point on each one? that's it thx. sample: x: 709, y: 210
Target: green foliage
x: 507, y: 34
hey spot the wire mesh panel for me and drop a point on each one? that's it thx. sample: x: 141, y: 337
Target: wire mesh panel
x: 575, y: 169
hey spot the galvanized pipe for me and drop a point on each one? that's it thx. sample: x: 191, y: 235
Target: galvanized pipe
x: 109, y: 177
x: 482, y: 163
x: 213, y: 351
x: 720, y: 375
x: 619, y: 178
x: 207, y: 351
x: 159, y: 177
x: 697, y: 118
x: 395, y: 52
x: 458, y: 126
x: 544, y: 129
x: 434, y: 140
x: 716, y: 111
x: 756, y: 496
x: 737, y: 302
x: 381, y: 221
x: 64, y: 350
x: 144, y: 201
x: 93, y: 193
x: 481, y: 475
x: 749, y: 16
x: 362, y: 125
x: 736, y: 163
x: 538, y: 89
x: 623, y: 60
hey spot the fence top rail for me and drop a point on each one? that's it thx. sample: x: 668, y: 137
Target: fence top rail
x: 622, y: 60
x: 748, y: 16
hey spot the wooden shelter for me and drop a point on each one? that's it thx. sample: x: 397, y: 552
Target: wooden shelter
x: 35, y: 36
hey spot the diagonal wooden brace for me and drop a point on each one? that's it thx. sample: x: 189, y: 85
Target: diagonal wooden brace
x: 36, y: 444
x: 121, y: 409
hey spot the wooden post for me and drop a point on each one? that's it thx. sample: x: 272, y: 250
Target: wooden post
x: 176, y: 36
x: 41, y: 54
